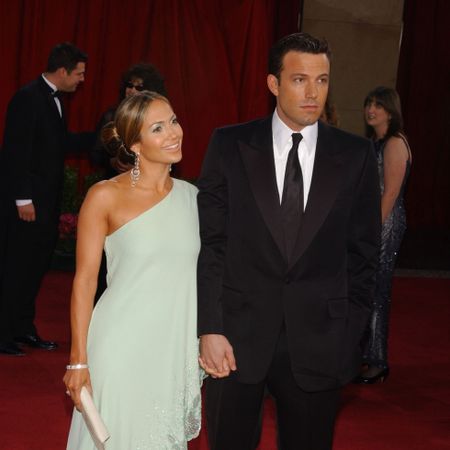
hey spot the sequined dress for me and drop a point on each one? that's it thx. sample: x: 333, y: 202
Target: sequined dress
x: 142, y: 340
x: 392, y: 231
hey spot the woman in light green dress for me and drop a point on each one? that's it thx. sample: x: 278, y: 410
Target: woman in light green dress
x: 140, y: 341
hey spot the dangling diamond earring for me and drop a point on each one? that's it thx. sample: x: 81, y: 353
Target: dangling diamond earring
x: 135, y: 171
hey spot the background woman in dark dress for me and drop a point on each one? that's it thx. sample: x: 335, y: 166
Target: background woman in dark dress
x: 384, y: 124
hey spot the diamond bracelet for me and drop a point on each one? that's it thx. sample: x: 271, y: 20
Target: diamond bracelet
x: 76, y: 366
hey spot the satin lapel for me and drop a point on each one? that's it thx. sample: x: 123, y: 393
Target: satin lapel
x: 324, y: 188
x: 257, y: 156
x: 63, y: 114
x: 49, y: 99
x: 53, y: 108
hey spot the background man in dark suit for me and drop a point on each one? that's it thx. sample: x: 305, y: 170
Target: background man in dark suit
x: 290, y: 223
x: 35, y: 141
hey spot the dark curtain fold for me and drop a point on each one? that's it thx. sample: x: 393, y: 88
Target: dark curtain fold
x: 424, y: 87
x: 212, y: 54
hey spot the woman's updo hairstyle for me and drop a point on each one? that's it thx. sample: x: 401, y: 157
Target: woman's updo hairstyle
x: 120, y: 135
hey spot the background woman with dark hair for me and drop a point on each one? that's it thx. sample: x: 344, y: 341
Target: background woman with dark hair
x: 139, y: 77
x: 384, y: 124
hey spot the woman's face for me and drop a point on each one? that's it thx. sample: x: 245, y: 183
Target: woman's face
x: 133, y: 86
x: 161, y: 135
x: 375, y: 115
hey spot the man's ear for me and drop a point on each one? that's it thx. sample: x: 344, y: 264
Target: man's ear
x: 272, y: 84
x: 62, y: 72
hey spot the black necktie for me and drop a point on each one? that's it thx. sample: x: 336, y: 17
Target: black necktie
x: 292, y: 200
x: 56, y: 94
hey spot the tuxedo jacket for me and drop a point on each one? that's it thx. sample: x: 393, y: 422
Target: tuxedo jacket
x: 35, y: 142
x: 248, y: 290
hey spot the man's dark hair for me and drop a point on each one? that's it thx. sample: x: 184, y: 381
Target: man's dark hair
x: 297, y: 42
x: 151, y: 78
x: 388, y: 99
x: 65, y: 55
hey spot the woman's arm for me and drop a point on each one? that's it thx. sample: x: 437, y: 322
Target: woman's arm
x: 92, y: 229
x: 395, y: 158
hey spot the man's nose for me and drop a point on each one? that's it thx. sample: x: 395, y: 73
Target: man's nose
x: 311, y: 90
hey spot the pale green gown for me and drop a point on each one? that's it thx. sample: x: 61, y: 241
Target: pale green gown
x: 142, y: 341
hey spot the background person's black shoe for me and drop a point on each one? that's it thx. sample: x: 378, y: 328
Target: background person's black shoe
x: 10, y: 348
x: 33, y: 340
x: 378, y: 377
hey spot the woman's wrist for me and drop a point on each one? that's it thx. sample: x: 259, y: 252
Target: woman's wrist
x: 78, y: 356
x: 77, y: 366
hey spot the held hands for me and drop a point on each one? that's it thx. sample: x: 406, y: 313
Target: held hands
x: 74, y: 381
x: 27, y: 212
x: 216, y: 355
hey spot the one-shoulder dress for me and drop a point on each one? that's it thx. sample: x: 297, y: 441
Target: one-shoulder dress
x: 142, y: 341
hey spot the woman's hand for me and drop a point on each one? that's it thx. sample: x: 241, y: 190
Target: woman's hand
x: 74, y: 381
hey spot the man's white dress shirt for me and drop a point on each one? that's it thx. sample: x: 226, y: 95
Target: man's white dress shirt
x: 282, y: 143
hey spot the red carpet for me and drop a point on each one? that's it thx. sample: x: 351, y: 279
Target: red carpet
x: 411, y: 411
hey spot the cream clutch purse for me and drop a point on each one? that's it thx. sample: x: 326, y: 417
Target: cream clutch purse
x: 93, y: 420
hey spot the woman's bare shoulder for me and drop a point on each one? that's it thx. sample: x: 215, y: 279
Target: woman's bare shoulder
x: 397, y: 144
x: 102, y: 194
x: 110, y: 187
x: 102, y: 190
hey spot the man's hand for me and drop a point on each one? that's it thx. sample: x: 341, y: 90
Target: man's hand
x: 27, y: 213
x: 216, y: 355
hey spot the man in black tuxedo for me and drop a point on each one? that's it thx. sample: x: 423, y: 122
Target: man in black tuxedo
x: 290, y: 222
x: 35, y: 141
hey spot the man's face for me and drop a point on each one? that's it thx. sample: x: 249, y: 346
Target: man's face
x: 70, y: 81
x: 302, y: 89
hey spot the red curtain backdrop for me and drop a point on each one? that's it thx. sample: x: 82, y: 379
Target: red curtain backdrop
x: 212, y: 54
x: 424, y: 87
